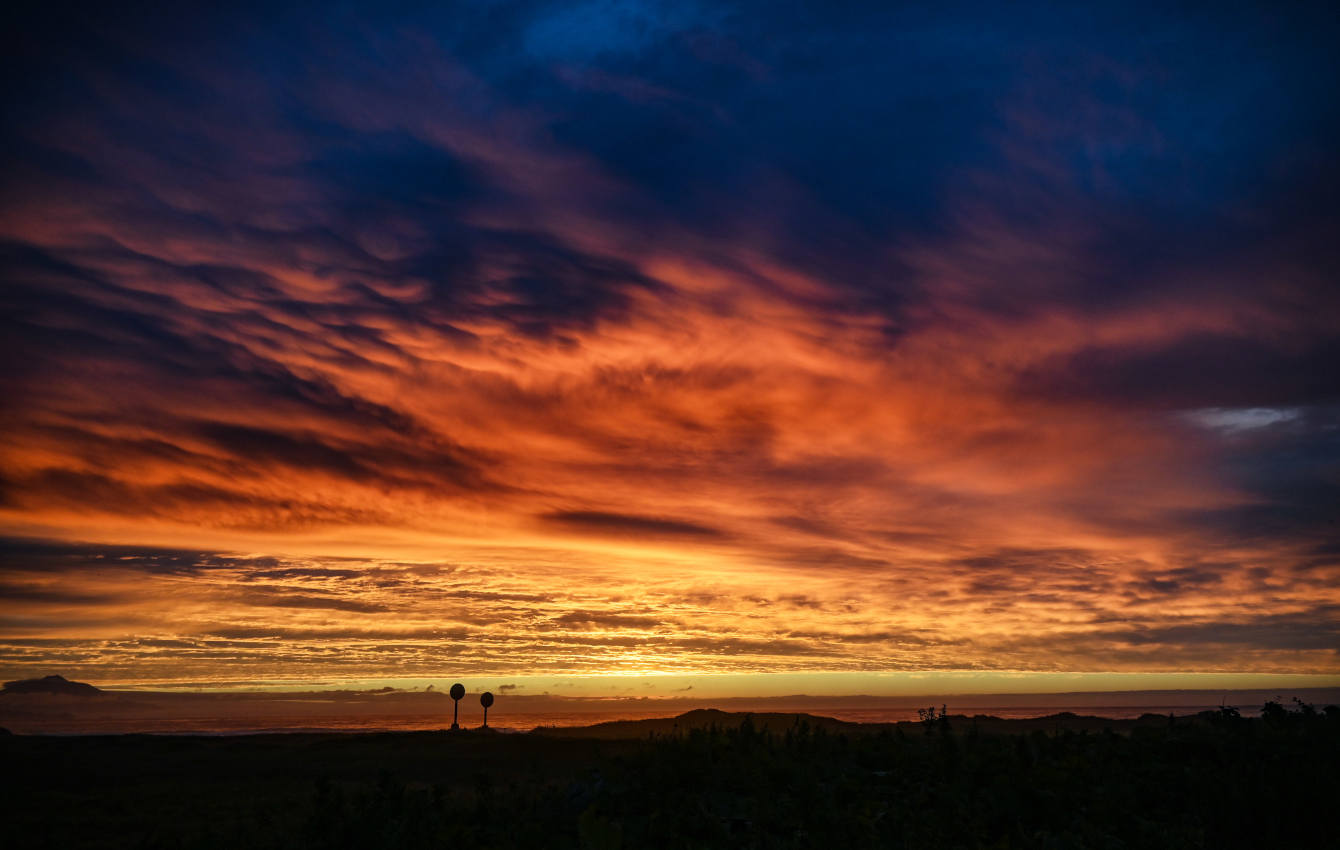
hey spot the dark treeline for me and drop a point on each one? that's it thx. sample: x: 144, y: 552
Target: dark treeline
x: 1216, y: 780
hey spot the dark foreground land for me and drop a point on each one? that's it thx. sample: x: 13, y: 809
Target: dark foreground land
x: 705, y: 780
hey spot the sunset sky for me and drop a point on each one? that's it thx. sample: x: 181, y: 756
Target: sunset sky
x: 799, y: 347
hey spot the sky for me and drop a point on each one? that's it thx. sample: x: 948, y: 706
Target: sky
x: 806, y: 347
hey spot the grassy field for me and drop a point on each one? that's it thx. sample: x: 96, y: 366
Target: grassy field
x: 706, y: 780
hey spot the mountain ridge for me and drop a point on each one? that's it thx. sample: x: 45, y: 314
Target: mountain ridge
x: 54, y: 684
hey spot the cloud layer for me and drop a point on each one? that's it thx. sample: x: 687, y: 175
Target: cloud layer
x: 632, y: 337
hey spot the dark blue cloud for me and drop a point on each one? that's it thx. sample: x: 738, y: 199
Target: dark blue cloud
x: 1190, y: 138
x: 877, y: 115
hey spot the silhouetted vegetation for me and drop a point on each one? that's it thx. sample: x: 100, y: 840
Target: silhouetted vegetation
x: 933, y: 722
x: 1214, y: 780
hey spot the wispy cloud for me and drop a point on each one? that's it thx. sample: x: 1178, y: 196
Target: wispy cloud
x: 704, y: 343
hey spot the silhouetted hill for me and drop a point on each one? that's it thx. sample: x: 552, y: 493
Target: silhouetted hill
x: 782, y: 722
x: 51, y: 685
x: 703, y: 718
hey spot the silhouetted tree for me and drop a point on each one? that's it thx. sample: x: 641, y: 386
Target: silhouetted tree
x: 1274, y: 713
x: 931, y: 721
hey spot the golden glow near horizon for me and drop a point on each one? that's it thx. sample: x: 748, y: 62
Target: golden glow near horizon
x: 620, y: 688
x: 282, y: 437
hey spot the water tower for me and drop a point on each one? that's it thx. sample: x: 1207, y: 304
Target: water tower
x: 457, y: 691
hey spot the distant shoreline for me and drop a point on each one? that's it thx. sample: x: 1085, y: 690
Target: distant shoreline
x: 632, y: 729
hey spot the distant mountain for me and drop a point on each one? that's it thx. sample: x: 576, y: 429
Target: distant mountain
x: 51, y: 685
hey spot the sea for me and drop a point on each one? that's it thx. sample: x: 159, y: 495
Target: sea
x: 235, y: 724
